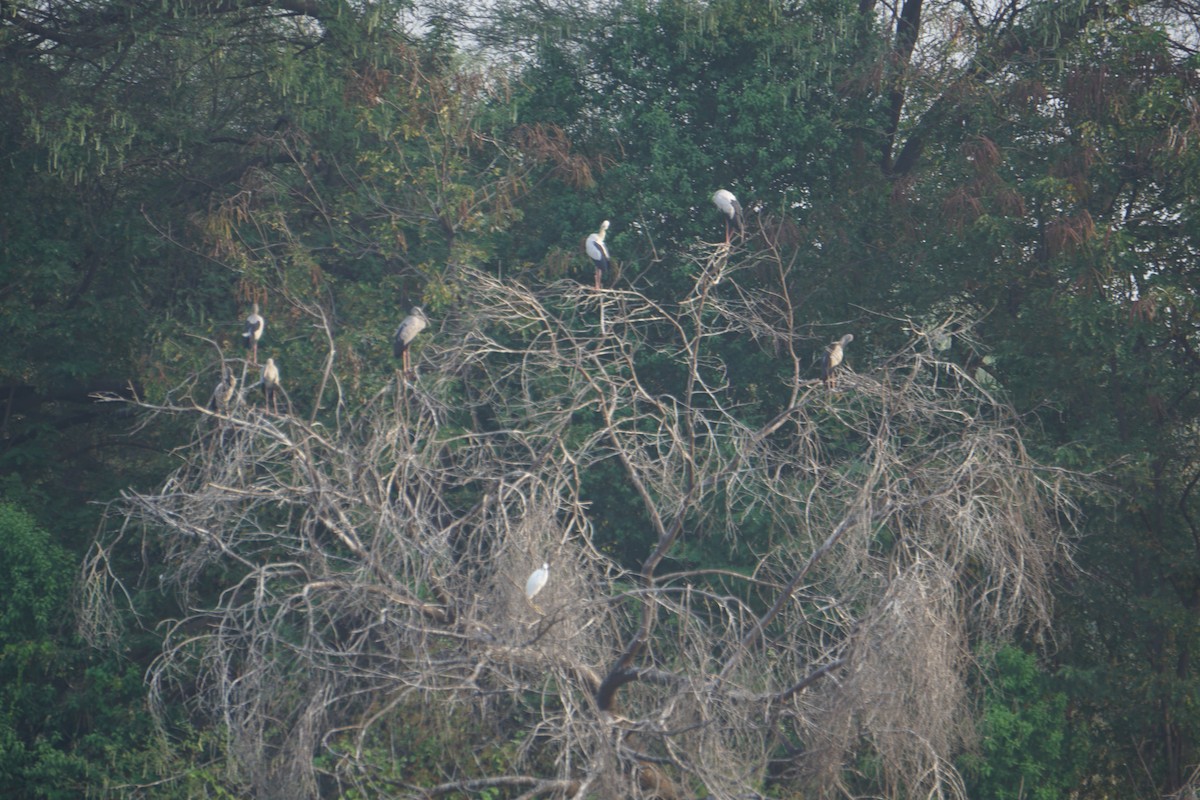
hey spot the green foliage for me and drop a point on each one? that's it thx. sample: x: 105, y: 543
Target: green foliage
x: 167, y: 162
x: 35, y: 574
x: 410, y: 746
x: 1030, y: 749
x: 677, y: 99
x: 67, y: 726
x: 36, y: 577
x: 1054, y: 198
x: 1091, y: 310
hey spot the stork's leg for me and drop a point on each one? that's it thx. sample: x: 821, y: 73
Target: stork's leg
x: 597, y: 280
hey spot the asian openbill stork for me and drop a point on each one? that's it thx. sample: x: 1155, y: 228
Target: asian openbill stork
x: 413, y: 324
x: 833, y: 358
x: 271, y: 387
x: 598, y: 252
x: 222, y: 397
x: 731, y: 209
x: 254, y: 331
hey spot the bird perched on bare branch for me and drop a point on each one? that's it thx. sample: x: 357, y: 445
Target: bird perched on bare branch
x: 254, y: 331
x: 223, y: 395
x: 271, y: 386
x: 833, y: 358
x: 413, y: 324
x: 731, y: 209
x: 598, y: 252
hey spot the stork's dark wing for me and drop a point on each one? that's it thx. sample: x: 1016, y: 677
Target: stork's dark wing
x: 254, y: 326
x: 597, y: 251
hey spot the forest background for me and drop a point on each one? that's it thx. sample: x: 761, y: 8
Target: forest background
x: 999, y: 200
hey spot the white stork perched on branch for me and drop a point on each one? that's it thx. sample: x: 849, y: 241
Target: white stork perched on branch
x: 598, y: 252
x: 254, y: 331
x: 731, y: 209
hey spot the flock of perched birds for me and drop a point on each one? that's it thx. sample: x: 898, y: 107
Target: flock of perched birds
x: 731, y: 210
x: 416, y: 321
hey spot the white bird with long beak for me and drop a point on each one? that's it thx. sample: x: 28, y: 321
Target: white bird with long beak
x: 598, y: 252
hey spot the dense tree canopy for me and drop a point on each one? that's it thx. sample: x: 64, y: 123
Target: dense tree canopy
x: 998, y: 200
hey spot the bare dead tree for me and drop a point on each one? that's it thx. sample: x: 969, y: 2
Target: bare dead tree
x: 343, y: 576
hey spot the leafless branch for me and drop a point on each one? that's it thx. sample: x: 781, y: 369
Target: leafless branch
x: 345, y: 574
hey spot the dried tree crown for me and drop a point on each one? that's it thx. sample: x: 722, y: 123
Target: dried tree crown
x: 345, y: 573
